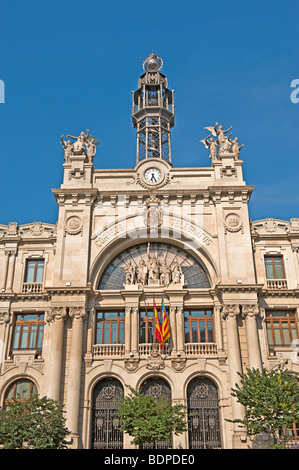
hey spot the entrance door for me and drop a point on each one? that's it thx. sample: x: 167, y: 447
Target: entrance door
x: 106, y: 423
x: 157, y: 388
x: 203, y: 414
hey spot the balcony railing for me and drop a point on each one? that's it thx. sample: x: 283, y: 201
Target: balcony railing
x: 277, y: 284
x: 32, y: 287
x: 100, y: 350
x: 199, y: 349
x: 145, y: 349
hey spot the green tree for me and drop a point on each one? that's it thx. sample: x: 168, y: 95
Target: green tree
x: 34, y: 423
x: 271, y: 401
x: 149, y: 420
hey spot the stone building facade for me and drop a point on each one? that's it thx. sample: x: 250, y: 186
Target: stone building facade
x: 77, y: 298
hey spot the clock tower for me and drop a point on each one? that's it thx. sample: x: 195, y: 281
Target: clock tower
x: 153, y: 116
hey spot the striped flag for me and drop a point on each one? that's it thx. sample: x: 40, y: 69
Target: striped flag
x: 164, y: 324
x: 158, y: 330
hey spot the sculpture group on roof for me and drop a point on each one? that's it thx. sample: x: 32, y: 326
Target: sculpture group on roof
x: 222, y: 144
x: 84, y: 144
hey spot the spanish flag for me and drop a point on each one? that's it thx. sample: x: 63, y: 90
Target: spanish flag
x: 158, y: 330
x: 164, y: 324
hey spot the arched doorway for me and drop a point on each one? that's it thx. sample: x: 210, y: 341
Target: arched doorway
x: 106, y: 432
x: 157, y: 388
x: 203, y: 414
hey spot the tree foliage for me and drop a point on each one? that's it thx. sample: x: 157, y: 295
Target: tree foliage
x: 271, y: 400
x: 149, y: 420
x: 34, y: 423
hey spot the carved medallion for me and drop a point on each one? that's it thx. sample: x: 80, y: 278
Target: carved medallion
x: 233, y: 223
x: 73, y: 225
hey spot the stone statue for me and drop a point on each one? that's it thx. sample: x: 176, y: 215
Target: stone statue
x: 141, y: 272
x: 91, y: 148
x: 79, y: 145
x: 153, y: 268
x: 68, y: 149
x: 212, y: 145
x: 236, y: 147
x: 130, y: 272
x: 176, y: 273
x: 218, y: 132
x: 165, y: 274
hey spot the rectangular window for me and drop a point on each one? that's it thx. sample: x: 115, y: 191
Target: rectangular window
x: 28, y: 332
x: 274, y: 267
x: 281, y: 327
x: 34, y: 271
x: 199, y: 326
x: 147, y: 326
x: 110, y: 327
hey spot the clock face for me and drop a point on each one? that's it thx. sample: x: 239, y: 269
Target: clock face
x: 152, y: 175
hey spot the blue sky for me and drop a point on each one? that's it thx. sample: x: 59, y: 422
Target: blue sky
x: 71, y: 65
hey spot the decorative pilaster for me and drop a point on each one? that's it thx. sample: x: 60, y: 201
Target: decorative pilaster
x: 11, y: 270
x: 5, y: 269
x: 57, y: 317
x: 78, y: 314
x: 249, y: 313
x: 230, y: 313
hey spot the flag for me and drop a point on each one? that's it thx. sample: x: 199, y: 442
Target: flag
x: 164, y: 324
x: 158, y: 330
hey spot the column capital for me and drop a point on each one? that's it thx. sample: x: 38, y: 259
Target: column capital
x: 56, y: 313
x: 250, y: 310
x: 79, y: 313
x: 230, y: 310
x: 4, y: 318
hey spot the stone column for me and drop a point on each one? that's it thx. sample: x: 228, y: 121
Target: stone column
x: 250, y: 312
x: 11, y: 270
x: 78, y: 314
x: 180, y: 329
x: 173, y: 332
x: 57, y: 316
x: 135, y: 330
x: 127, y: 330
x: 5, y: 269
x: 230, y: 313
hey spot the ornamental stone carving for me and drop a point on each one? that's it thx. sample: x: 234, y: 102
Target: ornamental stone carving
x: 155, y: 361
x: 56, y: 313
x: 4, y: 318
x: 230, y: 310
x: 250, y: 310
x: 178, y: 364
x: 36, y: 229
x: 131, y: 364
x: 294, y: 225
x: 233, y: 223
x: 73, y: 225
x: 79, y: 313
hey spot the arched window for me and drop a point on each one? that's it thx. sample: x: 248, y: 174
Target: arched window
x: 20, y: 389
x: 203, y: 414
x: 106, y: 432
x: 168, y: 258
x: 157, y: 388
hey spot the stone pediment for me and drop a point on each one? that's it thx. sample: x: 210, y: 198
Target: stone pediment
x: 31, y: 231
x: 271, y: 226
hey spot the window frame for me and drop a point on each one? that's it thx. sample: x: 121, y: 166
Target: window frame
x: 273, y: 257
x: 205, y: 319
x: 289, y: 319
x: 38, y: 322
x: 35, y: 261
x: 149, y: 326
x: 120, y: 327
